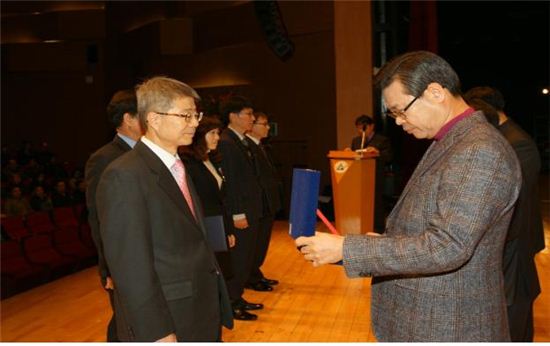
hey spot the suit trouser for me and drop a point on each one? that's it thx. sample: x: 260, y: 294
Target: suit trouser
x: 262, y: 245
x: 520, y: 319
x: 111, y: 327
x: 242, y: 256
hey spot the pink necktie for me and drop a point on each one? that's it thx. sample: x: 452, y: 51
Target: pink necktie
x: 179, y: 173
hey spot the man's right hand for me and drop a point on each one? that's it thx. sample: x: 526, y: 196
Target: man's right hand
x: 168, y: 338
x: 109, y: 284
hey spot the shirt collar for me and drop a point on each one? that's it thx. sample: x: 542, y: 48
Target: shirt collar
x: 241, y: 137
x: 254, y: 139
x: 127, y: 139
x: 166, y: 158
x: 448, y: 126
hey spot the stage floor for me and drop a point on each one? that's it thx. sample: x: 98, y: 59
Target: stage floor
x: 309, y: 305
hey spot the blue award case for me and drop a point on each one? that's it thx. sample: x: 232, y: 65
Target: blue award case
x: 303, y: 202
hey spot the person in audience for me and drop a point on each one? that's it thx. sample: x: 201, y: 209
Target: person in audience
x: 167, y: 283
x: 526, y: 233
x: 16, y: 204
x: 271, y: 196
x: 243, y: 198
x: 380, y: 144
x: 437, y: 270
x: 79, y: 194
x: 60, y: 197
x: 122, y: 114
x: 40, y: 201
x: 202, y: 161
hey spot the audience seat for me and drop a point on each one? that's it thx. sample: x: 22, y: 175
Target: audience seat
x: 86, y: 236
x: 81, y: 212
x: 14, y: 227
x: 18, y: 274
x: 68, y: 242
x: 39, y: 249
x: 64, y: 218
x: 40, y: 222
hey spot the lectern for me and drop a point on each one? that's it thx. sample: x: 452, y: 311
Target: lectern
x: 353, y: 179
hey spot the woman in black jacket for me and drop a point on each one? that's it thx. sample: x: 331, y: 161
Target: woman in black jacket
x: 202, y: 163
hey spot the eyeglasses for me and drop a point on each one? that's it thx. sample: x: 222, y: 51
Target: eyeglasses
x: 261, y: 124
x: 186, y: 116
x: 401, y: 114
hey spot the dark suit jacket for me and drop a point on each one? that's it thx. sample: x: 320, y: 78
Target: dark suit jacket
x: 380, y: 142
x: 266, y: 173
x: 95, y: 166
x: 165, y: 275
x: 244, y: 194
x: 526, y: 234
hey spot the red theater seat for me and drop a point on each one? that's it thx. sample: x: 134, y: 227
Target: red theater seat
x: 68, y: 242
x: 64, y: 218
x: 39, y: 249
x: 40, y: 222
x: 14, y: 227
x: 17, y: 273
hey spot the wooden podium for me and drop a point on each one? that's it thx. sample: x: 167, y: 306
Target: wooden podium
x: 353, y: 178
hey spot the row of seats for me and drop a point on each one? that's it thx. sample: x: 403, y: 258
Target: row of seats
x: 43, y: 247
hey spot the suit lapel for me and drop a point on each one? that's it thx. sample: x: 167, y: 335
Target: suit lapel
x: 165, y: 179
x: 246, y: 151
x: 436, y: 150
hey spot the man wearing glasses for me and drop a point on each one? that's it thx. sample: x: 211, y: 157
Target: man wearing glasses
x: 272, y: 201
x: 243, y: 199
x: 167, y: 284
x: 437, y: 271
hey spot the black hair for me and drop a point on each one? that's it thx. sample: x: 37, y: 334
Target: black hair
x: 364, y: 120
x: 416, y: 70
x: 234, y: 104
x: 123, y: 101
x: 488, y: 94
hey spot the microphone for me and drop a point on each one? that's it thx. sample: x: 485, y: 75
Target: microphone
x: 363, y: 136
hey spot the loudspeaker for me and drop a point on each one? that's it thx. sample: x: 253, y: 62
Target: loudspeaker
x: 272, y: 25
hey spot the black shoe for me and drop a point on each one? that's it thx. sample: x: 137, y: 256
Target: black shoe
x: 269, y: 282
x: 243, y: 315
x: 259, y: 286
x: 243, y: 304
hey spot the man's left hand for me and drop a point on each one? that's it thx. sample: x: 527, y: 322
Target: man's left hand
x: 322, y: 248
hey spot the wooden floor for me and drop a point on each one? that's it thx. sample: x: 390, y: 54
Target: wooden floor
x: 310, y: 304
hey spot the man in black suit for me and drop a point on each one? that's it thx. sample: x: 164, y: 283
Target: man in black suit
x: 271, y: 196
x: 122, y: 113
x: 370, y: 140
x: 243, y: 198
x: 167, y: 283
x: 526, y: 233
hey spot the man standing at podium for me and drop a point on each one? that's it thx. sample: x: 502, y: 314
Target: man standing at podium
x: 437, y: 271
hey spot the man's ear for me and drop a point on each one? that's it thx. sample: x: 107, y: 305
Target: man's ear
x: 232, y: 116
x: 127, y: 117
x: 153, y: 119
x: 435, y: 92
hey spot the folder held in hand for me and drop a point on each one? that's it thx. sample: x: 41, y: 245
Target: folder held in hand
x: 303, y: 202
x: 215, y: 232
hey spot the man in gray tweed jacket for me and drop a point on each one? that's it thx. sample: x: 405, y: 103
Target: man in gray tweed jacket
x: 437, y: 271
